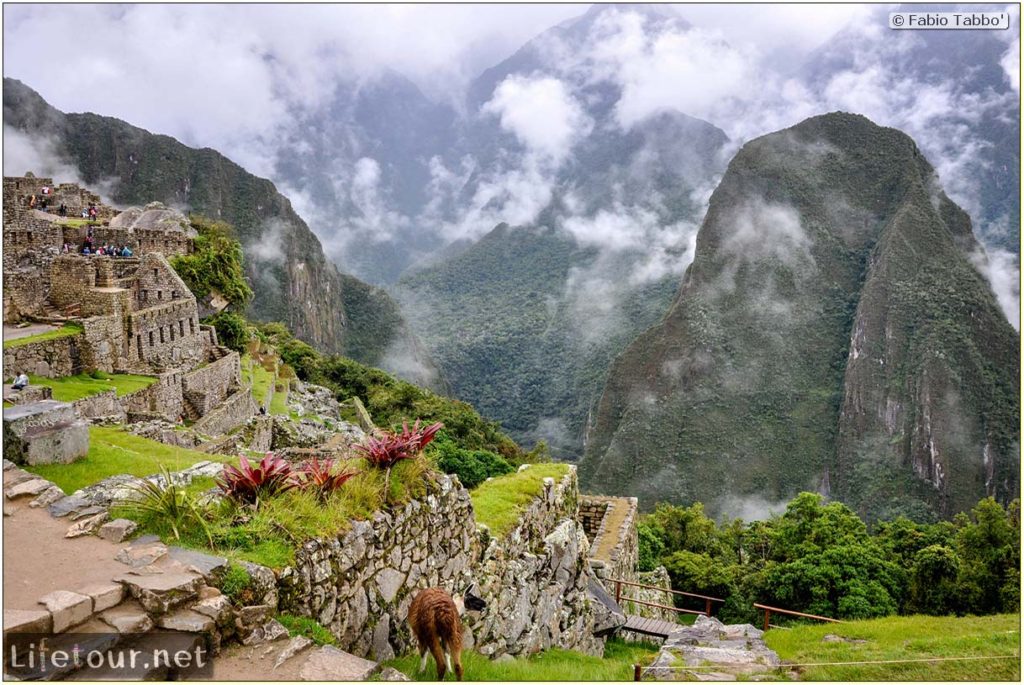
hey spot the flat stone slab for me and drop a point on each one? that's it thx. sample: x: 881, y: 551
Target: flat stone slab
x: 63, y: 507
x: 26, y: 488
x: 67, y: 608
x: 117, y: 530
x: 27, y: 621
x: 138, y: 556
x: 296, y: 645
x: 330, y: 663
x: 187, y: 621
x: 31, y: 409
x: 103, y: 595
x: 127, y: 618
x: 47, y: 497
x: 161, y: 592
x: 207, y: 564
x: 86, y: 526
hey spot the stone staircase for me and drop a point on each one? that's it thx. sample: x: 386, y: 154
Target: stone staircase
x: 163, y: 598
x: 711, y: 651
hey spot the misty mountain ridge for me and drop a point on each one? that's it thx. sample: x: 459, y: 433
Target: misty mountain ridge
x: 830, y: 334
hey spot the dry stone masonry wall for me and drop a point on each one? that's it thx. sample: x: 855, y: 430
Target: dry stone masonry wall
x: 360, y: 584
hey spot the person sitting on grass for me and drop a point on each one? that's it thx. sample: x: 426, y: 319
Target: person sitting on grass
x: 21, y: 381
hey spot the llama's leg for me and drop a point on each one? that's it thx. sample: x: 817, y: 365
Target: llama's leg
x: 435, y: 649
x: 458, y: 664
x: 423, y: 657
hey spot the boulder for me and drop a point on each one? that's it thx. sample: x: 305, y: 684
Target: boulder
x: 117, y: 530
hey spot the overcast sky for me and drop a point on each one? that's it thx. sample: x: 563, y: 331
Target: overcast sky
x: 215, y: 74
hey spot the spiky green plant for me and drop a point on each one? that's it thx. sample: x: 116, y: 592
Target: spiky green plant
x: 169, y: 503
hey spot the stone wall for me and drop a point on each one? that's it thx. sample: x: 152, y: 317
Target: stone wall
x: 48, y: 358
x: 359, y: 585
x: 208, y: 386
x: 535, y: 580
x: 614, y: 543
x: 102, y: 405
x: 233, y: 412
x: 660, y: 578
x: 163, y: 399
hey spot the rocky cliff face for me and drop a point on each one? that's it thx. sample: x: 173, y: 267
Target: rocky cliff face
x: 830, y: 334
x: 292, y: 279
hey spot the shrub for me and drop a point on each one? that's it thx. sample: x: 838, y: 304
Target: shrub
x: 649, y: 545
x: 471, y: 466
x: 215, y: 263
x: 232, y: 330
x: 249, y: 484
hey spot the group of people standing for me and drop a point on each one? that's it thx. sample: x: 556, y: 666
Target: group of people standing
x: 109, y: 250
x: 42, y: 202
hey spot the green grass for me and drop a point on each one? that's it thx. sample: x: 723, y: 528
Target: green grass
x: 78, y: 223
x: 497, y: 503
x: 68, y: 329
x: 71, y: 388
x: 270, y: 534
x: 307, y: 627
x: 552, y: 664
x: 258, y: 377
x: 906, y: 637
x: 113, y: 450
x: 279, y: 402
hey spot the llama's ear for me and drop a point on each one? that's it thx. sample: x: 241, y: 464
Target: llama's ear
x: 460, y: 605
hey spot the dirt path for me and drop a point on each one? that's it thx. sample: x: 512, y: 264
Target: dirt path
x: 38, y: 558
x: 13, y: 332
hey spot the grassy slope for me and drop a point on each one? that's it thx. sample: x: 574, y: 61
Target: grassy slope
x: 68, y: 329
x: 112, y: 451
x: 906, y: 637
x: 71, y: 388
x: 497, y: 503
x: 553, y: 664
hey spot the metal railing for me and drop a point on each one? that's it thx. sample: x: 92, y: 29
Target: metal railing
x: 707, y: 600
x: 768, y: 611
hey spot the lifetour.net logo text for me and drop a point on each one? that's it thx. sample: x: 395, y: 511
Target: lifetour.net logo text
x: 40, y: 656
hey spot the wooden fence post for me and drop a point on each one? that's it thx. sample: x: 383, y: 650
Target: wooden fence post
x: 767, y: 614
x: 707, y: 607
x: 618, y: 592
x: 636, y: 672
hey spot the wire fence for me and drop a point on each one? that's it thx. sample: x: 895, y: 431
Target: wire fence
x: 639, y: 671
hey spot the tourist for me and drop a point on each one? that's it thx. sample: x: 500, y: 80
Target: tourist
x: 63, y: 211
x: 67, y: 248
x: 92, y: 212
x: 263, y: 410
x: 85, y: 213
x: 46, y: 190
x: 32, y: 202
x: 85, y: 250
x: 126, y: 251
x: 21, y: 381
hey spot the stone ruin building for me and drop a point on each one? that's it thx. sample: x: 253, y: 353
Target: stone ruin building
x: 135, y: 313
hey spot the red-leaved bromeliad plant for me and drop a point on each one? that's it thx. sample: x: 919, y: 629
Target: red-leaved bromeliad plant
x: 320, y: 475
x: 249, y: 484
x: 387, y: 449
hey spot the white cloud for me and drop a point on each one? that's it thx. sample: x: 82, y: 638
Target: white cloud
x: 541, y: 113
x: 1002, y: 271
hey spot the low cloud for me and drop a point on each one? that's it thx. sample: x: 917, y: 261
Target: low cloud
x: 541, y: 113
x: 39, y: 155
x: 1002, y: 271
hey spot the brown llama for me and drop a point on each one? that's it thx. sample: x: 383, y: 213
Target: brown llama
x: 435, y: 622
